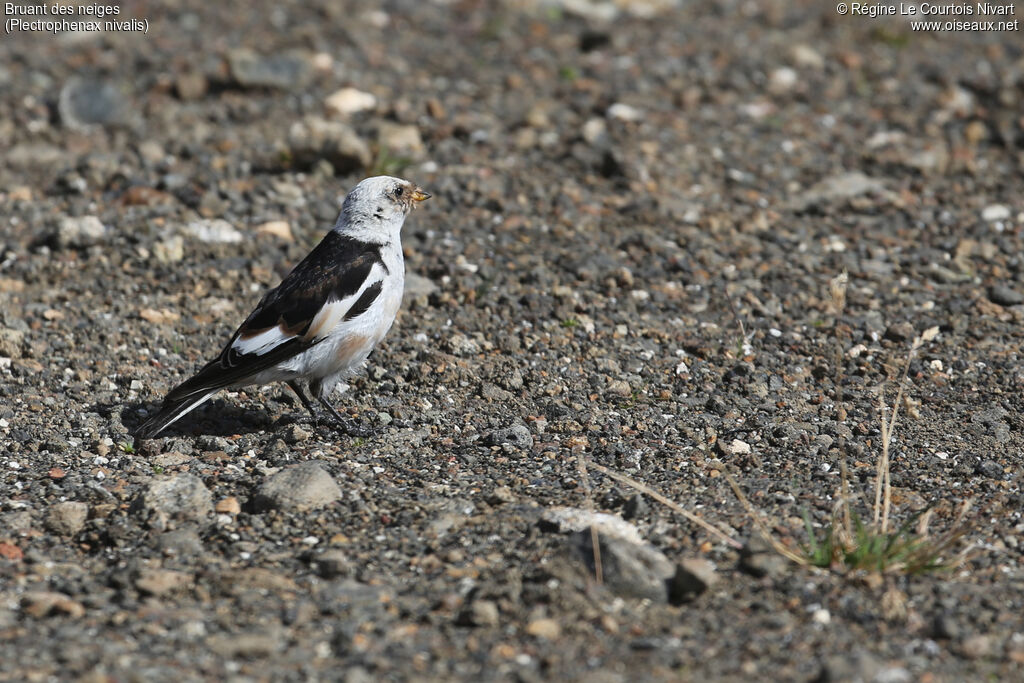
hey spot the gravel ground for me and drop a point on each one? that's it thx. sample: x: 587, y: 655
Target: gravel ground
x: 638, y: 207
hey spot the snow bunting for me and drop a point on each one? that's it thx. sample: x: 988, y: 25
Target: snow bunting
x: 322, y: 321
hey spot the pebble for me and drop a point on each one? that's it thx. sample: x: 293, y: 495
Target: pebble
x: 629, y: 570
x: 213, y: 231
x: 782, y: 80
x: 67, y: 519
x: 995, y: 212
x: 516, y: 435
x: 158, y: 582
x: 169, y: 250
x: 500, y: 495
x: 83, y: 231
x: 1004, y: 296
x: 624, y: 112
x: 181, y: 497
x: 568, y: 520
x: 314, y: 138
x: 481, y: 613
x: 348, y: 101
x: 191, y: 85
x: 759, y: 558
x: 10, y: 342
x: 692, y: 577
x: 977, y: 646
x: 83, y: 103
x: 306, y: 486
x: 284, y: 71
x: 401, y: 140
x: 546, y: 628
x: 228, y: 506
x: 619, y: 387
x: 899, y: 332
x: 296, y: 434
x: 280, y: 229
x: 333, y: 563
x: 417, y: 287
x: 39, y: 604
x: 836, y: 188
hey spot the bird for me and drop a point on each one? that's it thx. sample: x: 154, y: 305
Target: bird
x: 321, y: 323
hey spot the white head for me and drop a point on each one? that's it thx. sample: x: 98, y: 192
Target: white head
x: 376, y: 208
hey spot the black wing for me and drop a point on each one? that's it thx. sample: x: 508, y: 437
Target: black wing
x: 337, y: 268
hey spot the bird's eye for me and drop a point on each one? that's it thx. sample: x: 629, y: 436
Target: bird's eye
x: 398, y: 192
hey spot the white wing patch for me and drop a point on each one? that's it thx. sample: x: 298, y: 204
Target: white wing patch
x: 328, y: 318
x: 262, y: 342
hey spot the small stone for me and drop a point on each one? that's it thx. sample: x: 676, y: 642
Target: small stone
x: 1004, y: 296
x: 995, y: 212
x: 348, y: 101
x: 806, y: 56
x: 635, y: 507
x: 759, y: 558
x: 417, y: 287
x: 11, y: 552
x: 181, y: 497
x: 11, y: 341
x: 624, y: 112
x: 517, y: 435
x: 228, y: 506
x: 83, y: 231
x: 245, y: 645
x: 693, y: 576
x: 41, y: 604
x: 333, y: 563
x: 481, y: 613
x: 567, y: 520
x: 594, y: 130
x: 213, y: 231
x: 977, y: 646
x: 169, y: 250
x: 305, y: 486
x: 548, y: 629
x: 287, y: 71
x: 190, y: 85
x: 280, y: 229
x: 179, y: 543
x: 782, y: 80
x: 629, y: 570
x: 838, y: 188
x: 899, y: 332
x: 401, y: 140
x: 313, y: 139
x: 84, y: 102
x: 159, y: 582
x: 163, y: 316
x: 619, y: 387
x: 500, y: 495
x: 296, y: 434
x: 67, y: 519
x: 737, y: 447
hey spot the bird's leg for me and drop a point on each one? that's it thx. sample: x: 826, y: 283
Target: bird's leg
x: 347, y: 426
x: 297, y: 388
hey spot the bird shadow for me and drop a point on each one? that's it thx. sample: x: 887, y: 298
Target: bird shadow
x: 218, y: 417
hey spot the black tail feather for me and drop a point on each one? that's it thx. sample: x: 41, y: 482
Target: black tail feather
x: 170, y: 411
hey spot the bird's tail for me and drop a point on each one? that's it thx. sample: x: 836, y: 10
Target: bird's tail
x: 173, y: 409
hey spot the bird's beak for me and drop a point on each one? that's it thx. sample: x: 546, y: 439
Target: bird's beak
x: 419, y: 194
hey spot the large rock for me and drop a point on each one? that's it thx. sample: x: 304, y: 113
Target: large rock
x: 285, y: 71
x: 306, y: 486
x: 181, y: 498
x: 315, y: 138
x: 67, y: 519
